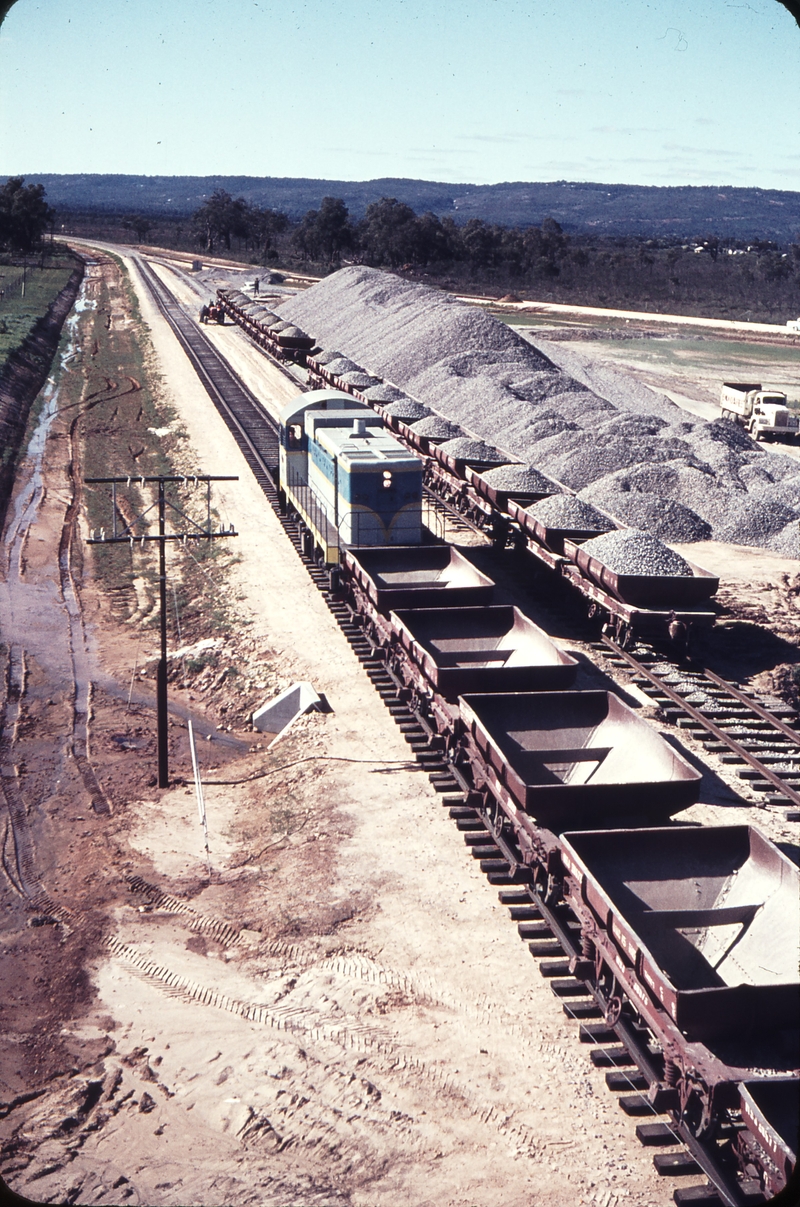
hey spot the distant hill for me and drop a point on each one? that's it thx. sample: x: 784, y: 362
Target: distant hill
x: 604, y: 209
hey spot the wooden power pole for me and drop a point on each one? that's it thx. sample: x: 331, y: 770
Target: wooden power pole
x: 192, y: 531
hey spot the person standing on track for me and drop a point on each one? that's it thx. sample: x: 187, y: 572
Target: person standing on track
x: 256, y: 284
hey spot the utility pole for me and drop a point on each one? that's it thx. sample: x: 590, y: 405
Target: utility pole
x: 125, y: 534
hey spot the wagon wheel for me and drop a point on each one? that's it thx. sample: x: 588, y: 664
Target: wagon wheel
x: 613, y: 1011
x: 623, y: 635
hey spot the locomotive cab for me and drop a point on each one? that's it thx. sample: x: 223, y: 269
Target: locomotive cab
x: 350, y: 481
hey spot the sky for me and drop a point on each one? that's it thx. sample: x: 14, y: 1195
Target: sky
x: 659, y: 92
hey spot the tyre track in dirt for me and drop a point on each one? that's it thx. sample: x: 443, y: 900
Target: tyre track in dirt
x: 301, y: 1021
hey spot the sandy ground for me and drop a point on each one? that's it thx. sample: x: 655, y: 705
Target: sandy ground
x: 342, y: 1012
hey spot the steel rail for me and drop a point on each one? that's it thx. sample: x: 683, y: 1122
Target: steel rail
x: 194, y: 342
x: 708, y: 724
x: 752, y: 704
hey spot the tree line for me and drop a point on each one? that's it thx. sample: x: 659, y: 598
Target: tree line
x: 759, y: 280
x: 389, y: 235
x: 24, y: 215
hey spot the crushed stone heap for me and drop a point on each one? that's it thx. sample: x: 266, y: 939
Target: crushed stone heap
x: 473, y: 450
x: 684, y: 479
x: 567, y: 513
x: 522, y: 479
x: 629, y: 551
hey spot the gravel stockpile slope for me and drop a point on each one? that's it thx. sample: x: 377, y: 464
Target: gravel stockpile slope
x: 787, y: 541
x: 665, y: 518
x: 583, y: 429
x: 629, y: 551
x: 569, y: 513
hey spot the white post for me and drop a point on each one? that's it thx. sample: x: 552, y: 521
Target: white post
x: 198, y: 788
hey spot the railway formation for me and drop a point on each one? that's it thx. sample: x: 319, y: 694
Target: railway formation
x: 735, y: 1125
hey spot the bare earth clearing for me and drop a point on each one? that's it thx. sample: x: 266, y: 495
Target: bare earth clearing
x: 343, y: 1013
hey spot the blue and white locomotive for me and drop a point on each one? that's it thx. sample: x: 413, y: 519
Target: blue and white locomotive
x: 348, y: 479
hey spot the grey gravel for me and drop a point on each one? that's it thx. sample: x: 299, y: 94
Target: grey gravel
x: 522, y: 479
x: 358, y: 379
x: 570, y: 514
x: 577, y: 421
x: 326, y: 357
x: 343, y: 365
x: 436, y: 428
x: 406, y: 408
x: 787, y: 541
x: 630, y: 551
x: 663, y: 517
x: 755, y: 522
x: 473, y: 450
x: 385, y: 392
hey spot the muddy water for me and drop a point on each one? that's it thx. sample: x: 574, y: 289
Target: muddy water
x: 40, y: 614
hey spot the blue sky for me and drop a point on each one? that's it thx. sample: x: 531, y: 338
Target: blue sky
x: 481, y: 91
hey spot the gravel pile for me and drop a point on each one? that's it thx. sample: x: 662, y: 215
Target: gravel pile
x: 358, y: 380
x: 520, y: 479
x: 665, y: 518
x: 408, y: 409
x: 755, y: 522
x: 569, y: 514
x: 787, y: 541
x: 630, y: 551
x: 473, y: 450
x: 574, y: 420
x: 325, y: 358
x: 342, y: 366
x: 436, y: 428
x: 385, y: 393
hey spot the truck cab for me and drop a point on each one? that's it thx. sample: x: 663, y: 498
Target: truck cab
x: 763, y: 413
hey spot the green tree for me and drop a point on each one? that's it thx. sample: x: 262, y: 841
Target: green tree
x: 388, y: 233
x: 333, y: 229
x: 221, y: 217
x: 24, y: 214
x: 139, y: 224
x: 265, y: 226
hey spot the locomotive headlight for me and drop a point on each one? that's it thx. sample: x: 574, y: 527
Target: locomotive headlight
x: 387, y: 479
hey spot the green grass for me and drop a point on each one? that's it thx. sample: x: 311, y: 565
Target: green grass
x: 17, y: 314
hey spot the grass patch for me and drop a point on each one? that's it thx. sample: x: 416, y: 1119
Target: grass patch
x: 18, y: 314
x: 118, y: 395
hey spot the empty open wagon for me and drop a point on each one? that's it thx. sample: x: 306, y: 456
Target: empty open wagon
x: 771, y: 1114
x: 418, y: 576
x: 708, y: 918
x: 575, y: 759
x: 482, y: 650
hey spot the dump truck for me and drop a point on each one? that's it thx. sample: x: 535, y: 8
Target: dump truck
x: 764, y: 413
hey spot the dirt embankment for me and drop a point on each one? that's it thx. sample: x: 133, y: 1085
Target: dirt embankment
x: 23, y: 376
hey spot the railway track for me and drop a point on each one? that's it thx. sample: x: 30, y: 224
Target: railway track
x: 729, y: 722
x: 725, y: 717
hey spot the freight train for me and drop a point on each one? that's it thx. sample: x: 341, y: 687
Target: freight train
x: 685, y: 937
x: 464, y: 482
